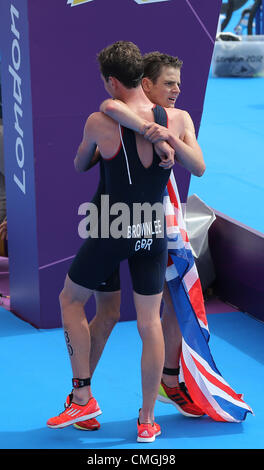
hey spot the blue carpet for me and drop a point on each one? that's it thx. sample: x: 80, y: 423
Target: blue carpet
x: 35, y: 369
x: 38, y: 364
x: 232, y: 139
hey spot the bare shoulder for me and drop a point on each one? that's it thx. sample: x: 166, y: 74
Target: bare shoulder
x: 97, y: 121
x: 181, y: 119
x: 176, y: 113
x: 104, y: 132
x: 187, y: 117
x: 176, y: 121
x: 188, y: 122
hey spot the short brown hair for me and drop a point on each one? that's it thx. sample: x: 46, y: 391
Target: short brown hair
x: 122, y: 60
x: 154, y: 61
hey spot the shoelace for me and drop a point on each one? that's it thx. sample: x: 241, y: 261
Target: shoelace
x: 184, y: 390
x: 66, y: 405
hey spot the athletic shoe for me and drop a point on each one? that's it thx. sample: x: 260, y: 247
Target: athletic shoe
x: 89, y: 425
x: 147, y: 432
x: 180, y: 398
x: 74, y: 413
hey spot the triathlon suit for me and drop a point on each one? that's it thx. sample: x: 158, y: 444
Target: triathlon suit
x: 143, y: 243
x: 112, y: 284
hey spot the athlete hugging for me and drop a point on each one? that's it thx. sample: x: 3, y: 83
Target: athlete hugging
x: 136, y: 152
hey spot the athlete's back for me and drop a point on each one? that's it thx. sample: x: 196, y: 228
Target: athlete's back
x: 107, y: 137
x: 132, y: 175
x: 143, y: 241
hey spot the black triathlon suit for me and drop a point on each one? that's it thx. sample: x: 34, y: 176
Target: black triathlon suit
x: 143, y: 242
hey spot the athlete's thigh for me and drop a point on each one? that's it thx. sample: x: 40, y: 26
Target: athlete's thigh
x: 73, y: 292
x: 148, y: 272
x: 147, y: 308
x: 112, y: 284
x: 95, y: 262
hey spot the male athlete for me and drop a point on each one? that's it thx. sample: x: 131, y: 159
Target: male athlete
x: 161, y: 83
x: 134, y: 173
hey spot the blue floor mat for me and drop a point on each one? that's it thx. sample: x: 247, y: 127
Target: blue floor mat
x: 39, y: 366
x: 232, y: 139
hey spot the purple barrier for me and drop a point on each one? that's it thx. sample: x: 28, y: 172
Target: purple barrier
x: 238, y: 256
x: 50, y: 84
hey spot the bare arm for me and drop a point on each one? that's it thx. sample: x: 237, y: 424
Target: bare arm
x: 95, y: 159
x: 121, y: 113
x: 190, y: 152
x: 87, y: 148
x: 187, y: 150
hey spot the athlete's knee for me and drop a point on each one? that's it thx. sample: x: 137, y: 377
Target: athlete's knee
x: 149, y: 326
x: 73, y: 294
x: 65, y: 298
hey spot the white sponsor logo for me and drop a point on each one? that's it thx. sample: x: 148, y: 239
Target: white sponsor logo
x: 75, y: 3
x: 142, y: 2
x: 15, y: 72
x: 73, y: 412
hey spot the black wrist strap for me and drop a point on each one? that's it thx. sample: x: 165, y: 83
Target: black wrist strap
x: 78, y: 383
x: 168, y: 371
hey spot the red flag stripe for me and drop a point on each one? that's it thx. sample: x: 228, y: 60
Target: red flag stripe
x: 184, y: 235
x: 195, y: 391
x: 196, y: 299
x: 171, y: 220
x: 172, y: 194
x: 216, y: 382
x: 170, y: 262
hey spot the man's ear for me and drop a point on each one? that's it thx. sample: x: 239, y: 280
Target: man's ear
x: 146, y: 84
x: 110, y: 81
x: 114, y: 82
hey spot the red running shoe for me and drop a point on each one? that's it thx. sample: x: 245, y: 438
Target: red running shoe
x: 74, y: 413
x: 147, y: 432
x: 180, y: 398
x: 89, y: 425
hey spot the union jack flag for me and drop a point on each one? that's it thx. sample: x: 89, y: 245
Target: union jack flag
x: 203, y: 380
